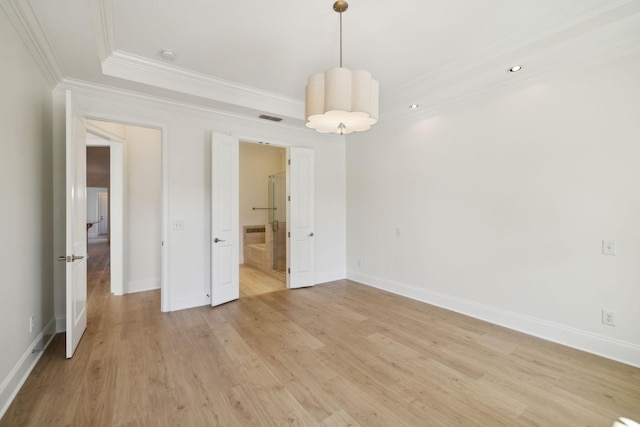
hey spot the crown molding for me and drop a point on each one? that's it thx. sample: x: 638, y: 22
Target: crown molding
x: 512, y: 49
x: 472, y: 77
x: 149, y: 102
x: 139, y: 69
x: 582, y: 45
x: 24, y: 20
x: 444, y: 87
x: 155, y: 73
x: 103, y: 23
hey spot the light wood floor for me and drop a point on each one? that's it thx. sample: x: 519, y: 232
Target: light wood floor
x: 255, y: 282
x: 337, y: 354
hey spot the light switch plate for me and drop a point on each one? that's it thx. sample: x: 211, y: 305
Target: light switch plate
x: 178, y: 225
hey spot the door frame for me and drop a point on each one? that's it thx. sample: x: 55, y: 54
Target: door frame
x: 287, y: 146
x: 286, y: 170
x: 119, y: 156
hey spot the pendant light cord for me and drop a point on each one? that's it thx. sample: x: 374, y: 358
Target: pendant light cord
x: 340, y: 39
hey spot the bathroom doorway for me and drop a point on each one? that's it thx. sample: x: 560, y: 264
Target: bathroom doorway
x: 263, y: 216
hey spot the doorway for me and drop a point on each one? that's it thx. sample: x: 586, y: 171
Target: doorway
x: 126, y: 209
x: 262, y: 218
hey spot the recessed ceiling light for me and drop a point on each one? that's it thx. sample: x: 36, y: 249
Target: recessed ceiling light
x: 168, y: 54
x: 413, y: 106
x: 515, y: 68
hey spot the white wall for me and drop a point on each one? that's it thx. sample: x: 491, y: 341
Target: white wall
x: 187, y: 160
x: 257, y: 162
x: 502, y: 207
x: 26, y: 255
x: 143, y: 208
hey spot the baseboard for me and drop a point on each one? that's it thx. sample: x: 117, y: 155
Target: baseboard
x: 620, y: 351
x: 61, y: 323
x: 20, y: 372
x: 330, y: 276
x: 142, y: 285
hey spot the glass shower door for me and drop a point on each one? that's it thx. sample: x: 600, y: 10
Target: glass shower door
x: 277, y: 219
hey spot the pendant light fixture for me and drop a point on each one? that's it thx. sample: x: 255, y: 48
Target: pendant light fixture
x: 340, y: 100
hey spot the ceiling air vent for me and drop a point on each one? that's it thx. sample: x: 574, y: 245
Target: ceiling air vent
x: 272, y: 118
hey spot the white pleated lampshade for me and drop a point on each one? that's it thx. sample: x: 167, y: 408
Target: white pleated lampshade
x: 341, y: 101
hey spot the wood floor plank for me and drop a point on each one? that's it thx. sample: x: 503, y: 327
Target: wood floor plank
x: 255, y: 282
x: 340, y: 419
x: 337, y: 354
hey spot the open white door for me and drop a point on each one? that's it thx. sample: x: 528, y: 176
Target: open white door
x: 225, y: 280
x: 301, y: 179
x: 76, y: 226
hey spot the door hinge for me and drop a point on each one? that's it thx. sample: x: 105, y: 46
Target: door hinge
x: 289, y: 270
x: 289, y: 161
x: 288, y: 234
x: 289, y: 198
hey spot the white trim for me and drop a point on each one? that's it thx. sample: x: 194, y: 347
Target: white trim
x: 24, y: 20
x: 329, y: 276
x: 142, y: 285
x: 61, y: 323
x: 326, y: 138
x: 134, y: 98
x: 610, y: 348
x: 20, y: 372
x: 164, y: 262
x: 116, y: 216
x: 102, y: 17
x: 116, y: 208
x: 155, y: 73
x: 583, y: 43
x: 458, y: 89
x: 102, y: 133
x: 165, y: 239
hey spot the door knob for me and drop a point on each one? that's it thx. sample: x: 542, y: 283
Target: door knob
x: 62, y: 258
x: 73, y: 257
x: 311, y: 234
x: 216, y: 240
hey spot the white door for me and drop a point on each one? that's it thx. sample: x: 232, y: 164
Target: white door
x: 300, y: 251
x: 76, y: 226
x: 225, y: 281
x: 103, y: 214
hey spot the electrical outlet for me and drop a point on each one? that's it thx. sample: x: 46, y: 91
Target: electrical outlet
x: 32, y: 323
x: 359, y: 262
x: 178, y: 225
x: 397, y: 231
x: 608, y: 317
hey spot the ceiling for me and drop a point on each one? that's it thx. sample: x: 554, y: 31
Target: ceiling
x: 252, y: 57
